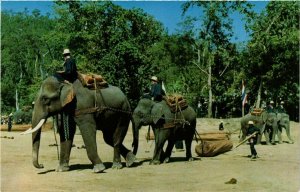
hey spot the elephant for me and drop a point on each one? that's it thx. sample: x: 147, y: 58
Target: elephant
x: 104, y: 109
x: 266, y: 122
x: 283, y: 122
x: 167, y: 126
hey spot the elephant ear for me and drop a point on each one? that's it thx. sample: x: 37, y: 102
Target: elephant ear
x: 159, y: 110
x: 67, y: 94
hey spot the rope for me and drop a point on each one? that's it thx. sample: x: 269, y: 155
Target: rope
x: 56, y: 120
x: 102, y: 108
x: 95, y: 83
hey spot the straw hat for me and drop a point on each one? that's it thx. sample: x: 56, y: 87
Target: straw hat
x: 250, y: 123
x: 66, y: 51
x: 154, y: 78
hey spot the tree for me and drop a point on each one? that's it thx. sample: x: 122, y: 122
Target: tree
x: 272, y: 56
x: 212, y: 41
x: 22, y: 53
x: 109, y: 40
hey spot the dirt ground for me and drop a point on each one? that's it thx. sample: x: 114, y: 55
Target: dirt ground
x: 277, y: 169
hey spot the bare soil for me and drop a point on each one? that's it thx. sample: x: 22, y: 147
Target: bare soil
x: 276, y: 169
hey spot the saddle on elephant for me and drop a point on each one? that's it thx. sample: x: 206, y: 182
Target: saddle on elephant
x: 176, y: 102
x: 92, y: 81
x: 257, y: 111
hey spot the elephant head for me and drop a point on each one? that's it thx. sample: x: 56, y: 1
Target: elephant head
x: 271, y: 127
x: 284, y: 122
x: 141, y: 117
x: 51, y: 99
x: 152, y: 113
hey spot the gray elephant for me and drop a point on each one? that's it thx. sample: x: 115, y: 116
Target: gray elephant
x: 105, y: 109
x: 167, y: 126
x: 266, y: 122
x: 283, y: 123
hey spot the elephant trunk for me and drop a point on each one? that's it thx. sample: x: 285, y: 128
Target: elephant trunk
x: 38, y: 119
x: 135, y: 131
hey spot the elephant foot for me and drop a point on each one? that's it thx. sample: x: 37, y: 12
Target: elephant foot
x: 268, y: 143
x: 154, y: 162
x: 98, y: 168
x: 291, y: 142
x: 63, y: 168
x: 130, y: 158
x: 190, y: 159
x: 280, y: 142
x: 117, y: 165
x: 167, y: 160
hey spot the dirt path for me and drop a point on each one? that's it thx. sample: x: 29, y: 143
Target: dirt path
x: 277, y: 169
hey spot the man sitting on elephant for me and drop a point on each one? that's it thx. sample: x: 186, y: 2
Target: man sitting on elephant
x: 270, y: 107
x: 156, y: 92
x: 280, y: 108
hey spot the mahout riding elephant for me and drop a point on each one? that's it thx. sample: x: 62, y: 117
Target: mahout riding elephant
x: 266, y: 122
x: 167, y: 126
x: 284, y: 122
x: 105, y: 109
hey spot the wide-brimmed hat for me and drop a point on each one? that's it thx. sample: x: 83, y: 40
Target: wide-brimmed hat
x: 66, y: 51
x: 250, y: 122
x: 272, y: 102
x: 154, y: 78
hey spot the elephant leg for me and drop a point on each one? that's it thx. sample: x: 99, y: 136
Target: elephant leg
x: 128, y: 155
x: 188, y: 146
x: 279, y: 133
x: 65, y: 151
x: 273, y: 135
x: 267, y: 136
x: 287, y: 129
x: 116, y: 139
x: 160, y: 140
x: 168, y: 152
x: 67, y: 130
x: 87, y: 126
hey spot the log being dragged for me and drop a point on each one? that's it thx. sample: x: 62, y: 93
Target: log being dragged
x: 213, y: 148
x: 213, y: 136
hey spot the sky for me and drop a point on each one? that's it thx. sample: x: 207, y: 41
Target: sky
x: 167, y: 12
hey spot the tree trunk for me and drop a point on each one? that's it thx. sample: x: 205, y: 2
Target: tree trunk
x: 209, y: 90
x: 258, y: 96
x: 17, y: 101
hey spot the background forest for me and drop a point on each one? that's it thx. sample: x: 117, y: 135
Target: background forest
x: 128, y: 46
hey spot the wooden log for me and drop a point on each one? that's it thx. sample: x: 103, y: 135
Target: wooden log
x: 213, y: 136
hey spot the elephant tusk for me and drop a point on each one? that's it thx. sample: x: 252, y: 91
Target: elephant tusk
x: 30, y: 130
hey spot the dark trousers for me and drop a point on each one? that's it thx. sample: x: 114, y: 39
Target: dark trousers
x: 253, y: 151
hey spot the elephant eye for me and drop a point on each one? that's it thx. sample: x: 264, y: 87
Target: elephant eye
x: 45, y: 100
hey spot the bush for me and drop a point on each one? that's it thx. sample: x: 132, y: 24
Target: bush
x: 21, y: 117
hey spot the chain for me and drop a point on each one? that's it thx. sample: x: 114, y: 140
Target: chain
x: 102, y: 108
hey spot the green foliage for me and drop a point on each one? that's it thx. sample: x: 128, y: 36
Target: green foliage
x: 22, y: 116
x: 275, y: 45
